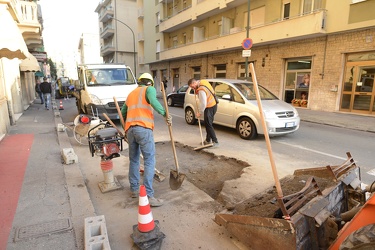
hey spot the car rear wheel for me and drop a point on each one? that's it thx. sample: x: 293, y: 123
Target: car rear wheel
x: 246, y: 128
x: 170, y: 102
x: 190, y: 116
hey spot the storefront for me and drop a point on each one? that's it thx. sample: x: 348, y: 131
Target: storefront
x: 297, y: 81
x: 358, y: 92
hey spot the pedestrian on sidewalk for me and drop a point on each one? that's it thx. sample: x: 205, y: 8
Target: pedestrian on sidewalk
x: 207, y: 106
x: 37, y: 90
x: 139, y: 125
x: 46, y: 89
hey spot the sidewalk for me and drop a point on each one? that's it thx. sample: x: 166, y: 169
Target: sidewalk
x: 343, y: 120
x: 54, y: 196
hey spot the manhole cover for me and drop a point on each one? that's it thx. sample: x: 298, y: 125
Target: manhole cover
x: 37, y: 230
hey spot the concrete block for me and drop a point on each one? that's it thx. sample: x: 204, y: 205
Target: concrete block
x: 96, y: 236
x: 61, y: 127
x: 56, y: 113
x: 54, y: 107
x: 69, y: 156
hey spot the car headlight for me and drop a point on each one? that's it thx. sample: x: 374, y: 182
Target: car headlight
x: 95, y: 100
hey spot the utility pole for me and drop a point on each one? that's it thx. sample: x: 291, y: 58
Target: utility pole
x: 247, y: 36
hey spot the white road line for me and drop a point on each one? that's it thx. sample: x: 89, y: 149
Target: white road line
x: 311, y: 150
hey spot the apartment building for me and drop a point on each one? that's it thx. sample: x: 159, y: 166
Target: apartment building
x: 332, y: 43
x: 20, y: 38
x: 118, y: 32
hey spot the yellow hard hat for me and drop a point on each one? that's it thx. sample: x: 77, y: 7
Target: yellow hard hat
x: 146, y: 79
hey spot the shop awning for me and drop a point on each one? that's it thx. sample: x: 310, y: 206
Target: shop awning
x: 12, y: 44
x: 30, y: 64
x: 39, y: 74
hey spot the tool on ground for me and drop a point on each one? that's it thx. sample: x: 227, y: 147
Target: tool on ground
x: 175, y: 178
x: 200, y: 130
x: 158, y: 175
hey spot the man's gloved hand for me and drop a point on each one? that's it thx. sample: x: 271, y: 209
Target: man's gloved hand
x: 169, y: 120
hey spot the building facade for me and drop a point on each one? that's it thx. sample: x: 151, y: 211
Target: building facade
x: 324, y: 50
x: 20, y: 36
x: 118, y: 33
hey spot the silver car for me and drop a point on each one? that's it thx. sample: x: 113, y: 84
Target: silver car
x: 238, y: 109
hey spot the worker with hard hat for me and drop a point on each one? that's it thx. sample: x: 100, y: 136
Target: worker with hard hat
x: 139, y: 125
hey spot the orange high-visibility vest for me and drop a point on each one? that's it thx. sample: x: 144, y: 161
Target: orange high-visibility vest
x: 140, y: 112
x: 204, y: 84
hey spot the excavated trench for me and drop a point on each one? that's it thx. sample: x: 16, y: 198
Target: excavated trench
x: 208, y: 172
x: 204, y: 169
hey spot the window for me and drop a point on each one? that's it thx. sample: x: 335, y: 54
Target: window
x: 311, y: 5
x: 297, y: 80
x: 241, y: 74
x: 197, y: 72
x: 158, y: 18
x: 184, y: 38
x: 220, y: 71
x: 198, y: 34
x: 174, y: 42
x: 286, y: 14
x: 158, y: 46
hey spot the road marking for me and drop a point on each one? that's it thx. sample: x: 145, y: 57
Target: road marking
x: 371, y: 172
x: 311, y: 150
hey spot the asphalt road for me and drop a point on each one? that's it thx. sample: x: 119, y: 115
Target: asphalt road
x: 313, y: 145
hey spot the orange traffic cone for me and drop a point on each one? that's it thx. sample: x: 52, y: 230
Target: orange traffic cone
x: 145, y: 219
x: 61, y: 106
x: 146, y: 234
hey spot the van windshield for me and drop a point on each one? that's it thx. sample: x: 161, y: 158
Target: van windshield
x: 109, y: 77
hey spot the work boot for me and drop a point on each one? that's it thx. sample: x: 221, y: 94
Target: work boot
x: 206, y: 142
x: 134, y: 194
x: 155, y: 202
x: 216, y: 145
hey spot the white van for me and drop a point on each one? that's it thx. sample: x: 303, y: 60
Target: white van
x: 98, y: 84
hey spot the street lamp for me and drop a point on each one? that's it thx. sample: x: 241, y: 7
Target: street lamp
x: 135, y: 67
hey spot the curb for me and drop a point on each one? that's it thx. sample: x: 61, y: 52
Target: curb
x: 80, y: 201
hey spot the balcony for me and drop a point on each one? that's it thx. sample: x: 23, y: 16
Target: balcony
x: 107, y: 49
x: 107, y: 31
x: 275, y: 32
x: 195, y: 13
x: 27, y: 15
x: 106, y: 14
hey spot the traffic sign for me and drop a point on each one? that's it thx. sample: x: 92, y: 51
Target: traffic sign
x: 246, y: 53
x: 247, y: 43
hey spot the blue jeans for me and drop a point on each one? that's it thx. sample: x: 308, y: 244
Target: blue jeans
x: 41, y: 97
x: 141, y: 140
x: 47, y: 98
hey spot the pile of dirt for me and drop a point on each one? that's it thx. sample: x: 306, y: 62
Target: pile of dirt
x: 265, y: 204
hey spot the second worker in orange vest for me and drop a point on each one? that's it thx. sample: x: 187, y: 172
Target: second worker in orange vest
x: 207, y: 105
x: 139, y: 125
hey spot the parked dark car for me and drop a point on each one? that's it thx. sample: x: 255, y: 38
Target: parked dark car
x: 177, y: 98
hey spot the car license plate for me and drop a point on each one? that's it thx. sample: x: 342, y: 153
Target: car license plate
x: 289, y: 124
